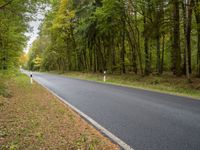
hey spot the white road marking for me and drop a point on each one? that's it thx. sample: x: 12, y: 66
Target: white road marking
x: 93, y: 122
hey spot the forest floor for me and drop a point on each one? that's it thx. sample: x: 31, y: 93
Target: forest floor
x: 166, y: 83
x: 32, y: 118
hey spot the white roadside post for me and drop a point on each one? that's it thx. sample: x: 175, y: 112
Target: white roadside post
x: 104, y: 77
x: 31, y: 78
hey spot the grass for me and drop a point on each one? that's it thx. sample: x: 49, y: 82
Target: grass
x: 166, y: 83
x: 4, y: 91
x: 32, y: 118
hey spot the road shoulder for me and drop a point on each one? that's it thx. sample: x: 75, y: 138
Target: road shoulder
x: 35, y: 119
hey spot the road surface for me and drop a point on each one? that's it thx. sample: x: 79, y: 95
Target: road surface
x: 142, y: 119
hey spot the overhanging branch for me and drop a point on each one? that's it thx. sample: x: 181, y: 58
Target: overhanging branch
x: 4, y: 5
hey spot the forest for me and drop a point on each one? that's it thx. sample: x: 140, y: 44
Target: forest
x: 99, y: 74
x: 118, y: 36
x: 14, y: 18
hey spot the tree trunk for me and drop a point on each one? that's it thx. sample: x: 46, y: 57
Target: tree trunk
x: 90, y: 58
x: 146, y: 48
x: 133, y: 51
x: 197, y: 16
x: 132, y: 42
x: 113, y: 55
x: 198, y: 53
x: 189, y: 39
x: 185, y: 34
x: 187, y: 12
x: 176, y: 38
x: 159, y: 19
x: 95, y: 59
x: 163, y: 53
x: 187, y: 17
x: 172, y: 52
x: 122, y: 55
x: 139, y: 52
x: 158, y: 55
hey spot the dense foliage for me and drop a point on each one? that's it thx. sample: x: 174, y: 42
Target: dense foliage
x: 120, y: 36
x: 14, y: 18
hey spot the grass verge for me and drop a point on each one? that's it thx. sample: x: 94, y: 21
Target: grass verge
x: 166, y: 83
x: 32, y: 118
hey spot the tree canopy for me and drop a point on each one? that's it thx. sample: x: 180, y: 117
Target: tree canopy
x: 121, y: 36
x: 14, y: 18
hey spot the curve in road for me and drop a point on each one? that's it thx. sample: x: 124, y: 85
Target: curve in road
x: 144, y: 120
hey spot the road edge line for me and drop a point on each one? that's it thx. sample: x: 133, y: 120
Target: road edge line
x: 91, y: 121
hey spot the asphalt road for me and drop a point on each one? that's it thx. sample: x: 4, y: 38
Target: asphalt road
x: 144, y: 120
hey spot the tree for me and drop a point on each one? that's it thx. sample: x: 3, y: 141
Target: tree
x: 197, y: 16
x: 120, y: 36
x: 14, y: 17
x: 176, y: 39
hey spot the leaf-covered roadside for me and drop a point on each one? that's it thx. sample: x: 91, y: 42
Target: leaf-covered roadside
x: 34, y: 119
